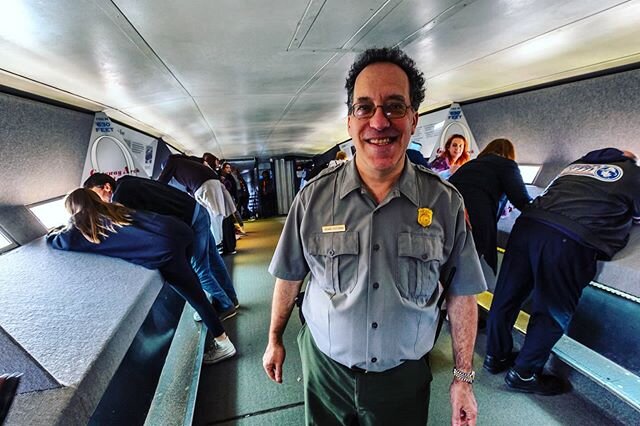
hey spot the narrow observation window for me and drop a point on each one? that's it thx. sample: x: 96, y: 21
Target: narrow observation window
x: 51, y: 213
x: 529, y: 172
x: 5, y: 242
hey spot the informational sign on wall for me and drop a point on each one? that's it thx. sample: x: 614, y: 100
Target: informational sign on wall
x: 117, y: 150
x: 435, y: 128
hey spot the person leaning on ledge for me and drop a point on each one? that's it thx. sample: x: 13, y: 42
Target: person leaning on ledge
x: 380, y: 235
x: 584, y: 215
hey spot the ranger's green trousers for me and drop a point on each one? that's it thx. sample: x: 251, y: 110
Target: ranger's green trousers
x: 338, y: 395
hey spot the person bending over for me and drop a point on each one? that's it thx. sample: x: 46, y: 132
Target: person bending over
x: 146, y: 194
x: 148, y: 239
x: 483, y: 183
x: 584, y: 215
x: 204, y: 185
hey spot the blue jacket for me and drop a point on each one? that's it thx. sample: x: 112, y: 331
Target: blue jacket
x: 152, y: 240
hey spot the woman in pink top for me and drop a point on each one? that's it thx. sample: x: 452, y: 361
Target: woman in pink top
x: 455, y: 154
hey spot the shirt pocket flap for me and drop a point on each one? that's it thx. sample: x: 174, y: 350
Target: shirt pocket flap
x: 421, y: 247
x: 334, y: 244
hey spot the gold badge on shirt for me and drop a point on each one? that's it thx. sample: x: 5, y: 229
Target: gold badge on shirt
x: 425, y: 216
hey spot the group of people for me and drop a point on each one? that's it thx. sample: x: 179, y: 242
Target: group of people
x: 384, y: 241
x: 388, y: 239
x: 212, y: 186
x: 158, y: 226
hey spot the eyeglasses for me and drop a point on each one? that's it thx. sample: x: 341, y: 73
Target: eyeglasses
x: 366, y: 110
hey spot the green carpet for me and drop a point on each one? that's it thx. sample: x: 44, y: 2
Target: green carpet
x: 238, y: 392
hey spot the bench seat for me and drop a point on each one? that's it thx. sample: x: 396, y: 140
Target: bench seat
x: 67, y: 320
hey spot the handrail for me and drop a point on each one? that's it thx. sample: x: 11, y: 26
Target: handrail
x: 604, y: 372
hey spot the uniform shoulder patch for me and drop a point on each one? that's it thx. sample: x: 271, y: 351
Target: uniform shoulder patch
x: 601, y: 172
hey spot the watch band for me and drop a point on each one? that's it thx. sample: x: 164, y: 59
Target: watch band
x: 464, y: 376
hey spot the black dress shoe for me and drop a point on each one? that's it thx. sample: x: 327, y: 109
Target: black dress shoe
x: 540, y: 384
x: 494, y: 365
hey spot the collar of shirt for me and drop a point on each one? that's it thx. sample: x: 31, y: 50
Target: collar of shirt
x: 406, y: 183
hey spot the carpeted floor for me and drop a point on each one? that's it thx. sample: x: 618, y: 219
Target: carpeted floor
x: 238, y: 392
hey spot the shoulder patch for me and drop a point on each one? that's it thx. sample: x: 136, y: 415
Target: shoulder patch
x: 601, y: 172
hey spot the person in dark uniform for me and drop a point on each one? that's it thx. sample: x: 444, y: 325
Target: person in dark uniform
x: 585, y: 215
x: 144, y: 238
x: 483, y: 183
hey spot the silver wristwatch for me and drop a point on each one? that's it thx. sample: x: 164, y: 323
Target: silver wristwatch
x: 464, y: 376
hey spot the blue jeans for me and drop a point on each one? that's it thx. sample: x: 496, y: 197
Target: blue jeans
x: 219, y: 270
x: 202, y: 264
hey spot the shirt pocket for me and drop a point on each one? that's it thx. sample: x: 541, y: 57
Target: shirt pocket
x: 336, y: 254
x: 419, y: 259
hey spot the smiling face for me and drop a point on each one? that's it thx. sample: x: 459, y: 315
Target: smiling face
x: 456, y: 148
x: 381, y: 142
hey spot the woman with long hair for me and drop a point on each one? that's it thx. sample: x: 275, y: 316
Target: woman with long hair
x: 454, y: 155
x: 483, y: 183
x: 148, y: 239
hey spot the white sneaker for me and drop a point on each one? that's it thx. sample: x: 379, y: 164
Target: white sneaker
x: 219, y: 351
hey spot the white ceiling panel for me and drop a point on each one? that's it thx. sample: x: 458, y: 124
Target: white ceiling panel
x: 485, y: 28
x: 253, y: 78
x: 222, y: 47
x: 329, y: 27
x: 604, y: 42
x: 82, y: 48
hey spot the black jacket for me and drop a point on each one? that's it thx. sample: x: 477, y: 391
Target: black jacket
x: 146, y: 194
x: 594, y: 200
x: 482, y: 183
x: 188, y: 172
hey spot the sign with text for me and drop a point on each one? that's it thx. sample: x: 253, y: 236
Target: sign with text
x: 117, y: 150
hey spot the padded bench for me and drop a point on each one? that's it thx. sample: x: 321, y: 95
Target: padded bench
x: 66, y: 321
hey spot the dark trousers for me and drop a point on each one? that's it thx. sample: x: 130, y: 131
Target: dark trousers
x: 554, y: 269
x: 338, y: 395
x: 179, y: 274
x: 228, y: 235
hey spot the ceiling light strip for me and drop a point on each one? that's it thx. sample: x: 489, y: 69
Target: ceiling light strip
x: 439, y: 19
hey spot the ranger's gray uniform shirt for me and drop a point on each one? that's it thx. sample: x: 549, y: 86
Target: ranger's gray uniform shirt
x: 371, y: 298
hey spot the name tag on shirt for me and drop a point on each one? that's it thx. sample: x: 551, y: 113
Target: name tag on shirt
x: 333, y: 228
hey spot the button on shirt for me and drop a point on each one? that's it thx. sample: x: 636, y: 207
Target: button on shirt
x: 371, y: 298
